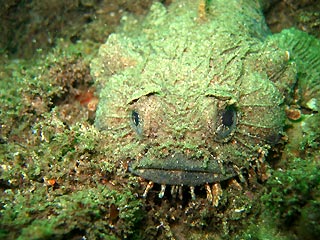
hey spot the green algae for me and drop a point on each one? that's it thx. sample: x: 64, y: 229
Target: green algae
x: 79, y: 201
x: 291, y: 188
x: 41, y: 215
x: 290, y: 204
x: 55, y: 172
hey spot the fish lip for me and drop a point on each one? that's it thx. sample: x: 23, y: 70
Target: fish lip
x: 180, y: 170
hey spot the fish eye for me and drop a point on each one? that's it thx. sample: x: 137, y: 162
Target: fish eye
x: 227, y: 121
x: 136, y: 122
x: 135, y: 118
x: 228, y: 117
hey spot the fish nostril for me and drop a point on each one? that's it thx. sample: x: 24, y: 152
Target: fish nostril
x: 226, y: 124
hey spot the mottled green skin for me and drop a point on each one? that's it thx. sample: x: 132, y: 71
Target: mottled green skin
x: 179, y: 72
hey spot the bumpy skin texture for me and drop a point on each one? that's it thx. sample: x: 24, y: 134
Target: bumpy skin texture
x: 193, y: 95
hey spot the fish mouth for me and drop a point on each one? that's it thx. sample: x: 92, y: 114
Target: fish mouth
x: 180, y: 170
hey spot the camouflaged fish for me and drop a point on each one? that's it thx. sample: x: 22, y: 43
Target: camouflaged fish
x: 194, y: 93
